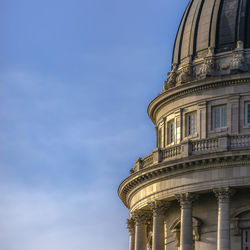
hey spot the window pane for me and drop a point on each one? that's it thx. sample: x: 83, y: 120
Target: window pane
x: 223, y: 116
x: 248, y: 113
x: 191, y: 123
x: 171, y: 133
x: 246, y: 240
x: 219, y: 117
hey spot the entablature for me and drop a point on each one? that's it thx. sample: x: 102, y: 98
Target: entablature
x: 208, y: 153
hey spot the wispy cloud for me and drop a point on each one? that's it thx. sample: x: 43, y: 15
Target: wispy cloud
x: 76, y: 78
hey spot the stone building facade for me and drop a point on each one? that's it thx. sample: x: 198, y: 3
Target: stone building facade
x: 193, y: 190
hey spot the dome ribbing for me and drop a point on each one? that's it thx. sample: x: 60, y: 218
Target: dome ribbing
x: 208, y: 29
x: 212, y: 23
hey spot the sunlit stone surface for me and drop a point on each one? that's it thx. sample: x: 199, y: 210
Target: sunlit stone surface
x: 193, y: 190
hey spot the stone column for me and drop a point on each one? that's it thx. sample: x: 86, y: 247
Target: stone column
x: 142, y: 218
x: 223, y: 231
x: 186, y: 236
x: 131, y: 229
x: 159, y: 209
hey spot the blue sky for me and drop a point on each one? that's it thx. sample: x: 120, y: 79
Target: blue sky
x: 76, y: 78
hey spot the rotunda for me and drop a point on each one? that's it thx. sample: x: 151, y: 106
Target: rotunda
x: 193, y: 190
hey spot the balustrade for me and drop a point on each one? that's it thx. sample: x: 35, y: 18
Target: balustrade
x: 240, y: 141
x: 196, y: 147
x: 171, y: 152
x: 205, y: 145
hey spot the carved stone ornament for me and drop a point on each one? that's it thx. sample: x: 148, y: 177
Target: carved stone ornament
x: 138, y: 164
x: 171, y: 81
x: 207, y: 68
x: 150, y: 238
x: 142, y: 217
x: 239, y: 63
x: 223, y: 194
x: 159, y: 207
x: 186, y: 199
x: 236, y: 228
x: 197, y: 228
x: 185, y: 74
x: 131, y: 226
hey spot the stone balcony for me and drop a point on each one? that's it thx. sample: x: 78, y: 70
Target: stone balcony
x: 193, y: 148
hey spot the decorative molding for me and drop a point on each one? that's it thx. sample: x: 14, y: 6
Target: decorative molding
x: 186, y: 199
x: 131, y: 226
x: 185, y: 74
x: 142, y: 217
x: 214, y: 82
x: 223, y: 194
x: 209, y: 64
x: 159, y: 208
x: 155, y: 171
x: 171, y: 81
x: 207, y: 69
x: 236, y: 220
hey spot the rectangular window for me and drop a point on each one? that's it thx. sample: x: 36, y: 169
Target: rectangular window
x: 247, y: 113
x: 171, y: 133
x: 191, y: 124
x: 246, y: 239
x: 219, y: 116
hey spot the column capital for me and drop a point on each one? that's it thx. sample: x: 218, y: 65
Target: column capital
x: 142, y: 216
x: 131, y: 226
x: 224, y: 194
x: 159, y: 207
x: 186, y: 199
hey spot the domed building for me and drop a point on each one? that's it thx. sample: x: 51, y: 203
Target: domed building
x: 193, y: 190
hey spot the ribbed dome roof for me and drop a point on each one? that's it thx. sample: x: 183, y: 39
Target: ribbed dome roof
x: 213, y: 39
x: 212, y: 23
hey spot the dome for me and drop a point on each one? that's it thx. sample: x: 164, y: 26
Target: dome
x: 192, y: 190
x: 209, y: 30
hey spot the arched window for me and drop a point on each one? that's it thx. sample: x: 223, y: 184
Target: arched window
x: 175, y: 229
x: 241, y: 221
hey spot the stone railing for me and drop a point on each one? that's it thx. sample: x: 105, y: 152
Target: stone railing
x: 206, y: 145
x: 148, y: 160
x: 240, y: 141
x: 168, y: 153
x: 197, y: 147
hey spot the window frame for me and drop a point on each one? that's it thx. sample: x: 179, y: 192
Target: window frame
x: 221, y: 126
x: 171, y: 138
x: 247, y: 104
x: 188, y: 131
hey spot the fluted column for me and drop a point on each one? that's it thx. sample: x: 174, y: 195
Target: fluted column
x: 223, y: 231
x: 131, y: 229
x: 142, y: 218
x: 159, y: 209
x: 186, y: 236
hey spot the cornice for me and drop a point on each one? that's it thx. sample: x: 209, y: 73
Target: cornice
x: 167, y: 170
x: 195, y: 86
